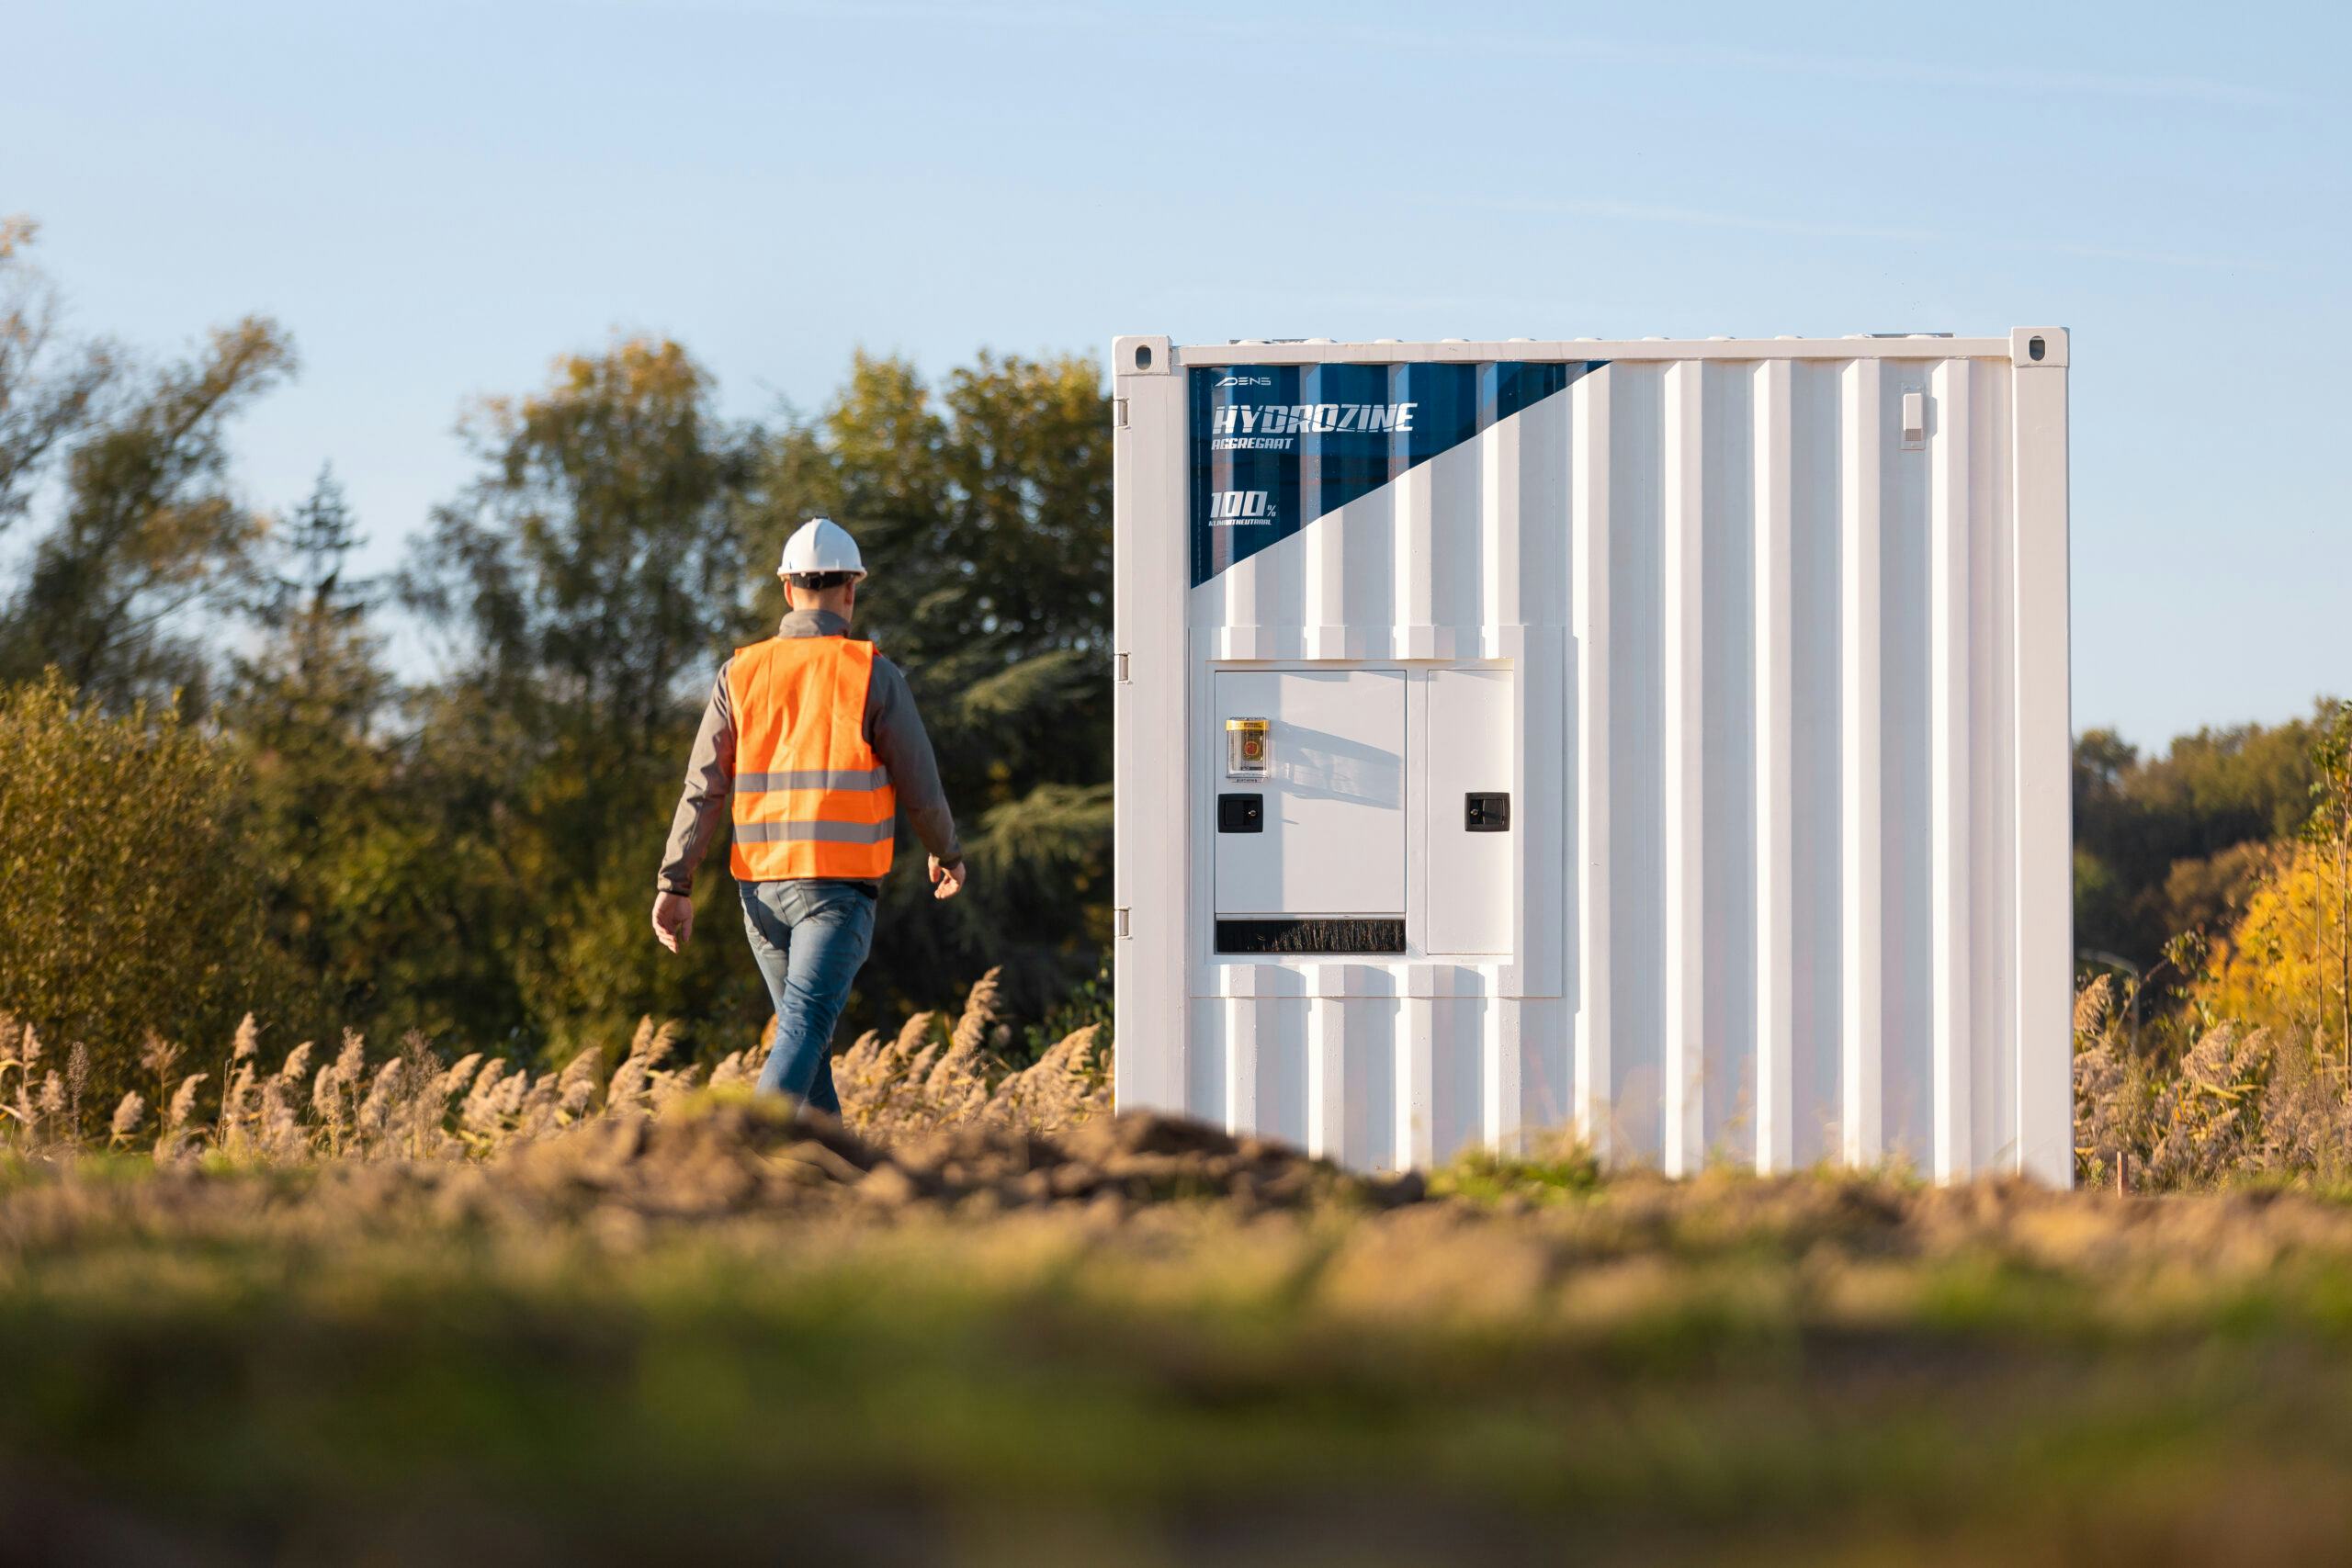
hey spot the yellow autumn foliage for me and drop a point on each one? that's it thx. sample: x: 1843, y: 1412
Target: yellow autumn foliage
x: 2284, y: 965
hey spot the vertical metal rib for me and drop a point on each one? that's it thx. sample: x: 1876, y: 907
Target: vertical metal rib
x: 1500, y: 1042
x: 1416, y: 1085
x: 1686, y: 955
x: 1415, y: 580
x: 2043, y: 956
x: 1327, y: 1103
x: 1862, y: 717
x: 1589, y: 530
x: 1775, y: 813
x: 1326, y: 630
x: 1242, y: 1016
x: 1501, y: 468
x: 1949, y: 804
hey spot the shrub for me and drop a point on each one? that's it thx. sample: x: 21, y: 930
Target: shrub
x: 130, y: 895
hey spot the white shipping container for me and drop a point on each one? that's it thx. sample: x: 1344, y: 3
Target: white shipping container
x: 1668, y: 741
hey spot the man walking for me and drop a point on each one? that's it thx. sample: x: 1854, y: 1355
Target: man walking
x: 815, y: 741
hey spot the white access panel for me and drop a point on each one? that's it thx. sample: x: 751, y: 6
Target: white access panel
x: 1333, y: 841
x: 1469, y: 872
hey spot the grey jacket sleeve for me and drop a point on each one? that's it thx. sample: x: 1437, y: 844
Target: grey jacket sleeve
x: 895, y: 731
x: 710, y: 774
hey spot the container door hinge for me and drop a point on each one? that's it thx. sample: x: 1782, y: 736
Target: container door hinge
x: 1119, y: 668
x: 1118, y: 413
x: 1119, y: 923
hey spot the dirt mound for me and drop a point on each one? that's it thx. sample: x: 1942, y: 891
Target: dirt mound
x: 739, y: 1158
x: 726, y: 1159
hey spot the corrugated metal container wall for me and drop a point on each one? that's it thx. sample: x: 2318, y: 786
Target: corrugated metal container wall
x: 1665, y: 740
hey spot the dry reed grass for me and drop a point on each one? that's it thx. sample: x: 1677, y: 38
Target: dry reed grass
x: 2239, y: 1104
x: 934, y: 1074
x: 2236, y: 1105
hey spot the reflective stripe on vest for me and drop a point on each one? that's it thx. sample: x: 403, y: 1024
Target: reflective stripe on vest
x: 810, y: 798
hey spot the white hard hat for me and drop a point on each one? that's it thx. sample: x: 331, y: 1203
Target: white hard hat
x: 821, y: 545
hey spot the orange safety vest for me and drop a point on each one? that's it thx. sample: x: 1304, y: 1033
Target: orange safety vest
x: 811, y: 797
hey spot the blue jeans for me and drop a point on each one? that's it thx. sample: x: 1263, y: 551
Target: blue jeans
x: 809, y: 939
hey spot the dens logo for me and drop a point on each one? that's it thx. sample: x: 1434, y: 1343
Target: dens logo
x: 1239, y: 508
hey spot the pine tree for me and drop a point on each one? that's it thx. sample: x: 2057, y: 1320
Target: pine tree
x: 306, y: 706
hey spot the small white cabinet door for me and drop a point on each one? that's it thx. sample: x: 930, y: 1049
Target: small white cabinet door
x: 1332, y: 840
x: 1469, y: 751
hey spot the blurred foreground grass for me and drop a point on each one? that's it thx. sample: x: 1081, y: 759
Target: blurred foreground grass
x: 541, y: 1361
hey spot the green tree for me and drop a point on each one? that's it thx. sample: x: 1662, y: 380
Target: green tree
x: 50, y: 387
x: 2170, y: 844
x: 984, y: 511
x: 591, y: 567
x: 306, y: 708
x: 2329, y: 835
x: 585, y: 581
x: 150, y: 527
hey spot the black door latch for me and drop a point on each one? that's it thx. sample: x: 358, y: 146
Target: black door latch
x: 1485, y: 813
x: 1240, y: 812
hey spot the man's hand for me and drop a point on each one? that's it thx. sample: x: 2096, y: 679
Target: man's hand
x: 674, y: 920
x: 947, y: 879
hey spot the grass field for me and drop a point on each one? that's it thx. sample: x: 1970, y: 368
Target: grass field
x: 711, y: 1334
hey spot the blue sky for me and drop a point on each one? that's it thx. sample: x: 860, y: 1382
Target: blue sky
x: 436, y: 200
